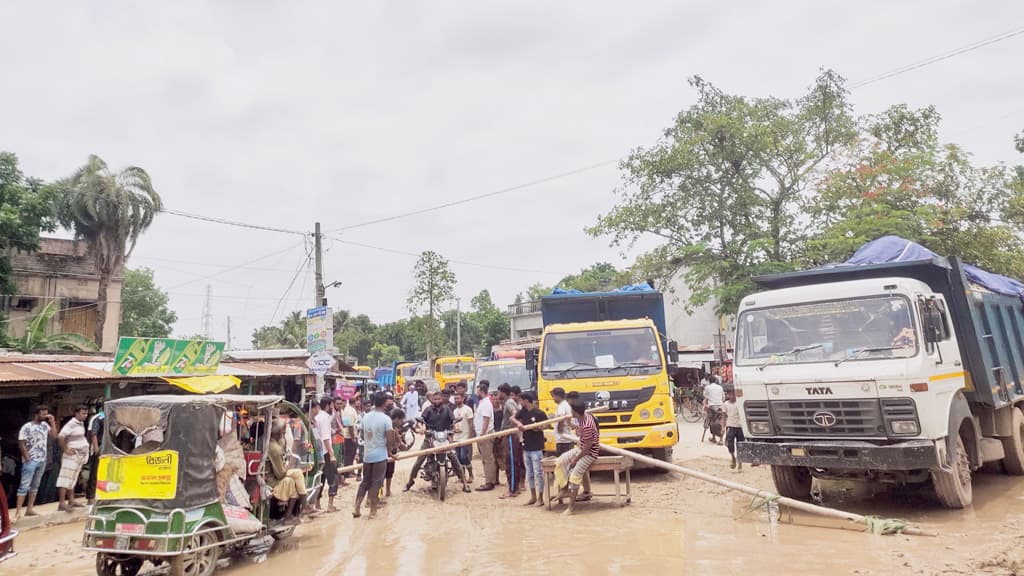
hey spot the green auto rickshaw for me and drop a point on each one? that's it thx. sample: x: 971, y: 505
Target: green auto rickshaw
x: 184, y: 479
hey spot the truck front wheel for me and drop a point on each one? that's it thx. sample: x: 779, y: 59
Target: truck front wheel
x: 792, y: 481
x: 953, y: 487
x: 1013, y: 462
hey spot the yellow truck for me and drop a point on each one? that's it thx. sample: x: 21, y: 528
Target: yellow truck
x: 610, y: 348
x: 451, y: 369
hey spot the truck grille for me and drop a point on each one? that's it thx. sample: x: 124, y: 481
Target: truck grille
x: 834, y: 417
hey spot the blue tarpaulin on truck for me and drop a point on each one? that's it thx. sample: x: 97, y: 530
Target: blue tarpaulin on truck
x: 629, y: 288
x: 896, y: 249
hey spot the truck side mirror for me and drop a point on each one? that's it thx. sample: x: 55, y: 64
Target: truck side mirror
x: 531, y: 365
x: 673, y: 352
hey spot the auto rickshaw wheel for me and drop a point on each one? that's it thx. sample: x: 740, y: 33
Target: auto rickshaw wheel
x: 110, y: 565
x: 199, y: 563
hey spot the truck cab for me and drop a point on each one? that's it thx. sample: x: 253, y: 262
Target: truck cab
x: 868, y: 373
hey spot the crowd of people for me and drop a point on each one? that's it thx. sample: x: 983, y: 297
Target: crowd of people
x: 363, y: 443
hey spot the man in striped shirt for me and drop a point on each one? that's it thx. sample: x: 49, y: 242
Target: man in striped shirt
x: 577, y: 462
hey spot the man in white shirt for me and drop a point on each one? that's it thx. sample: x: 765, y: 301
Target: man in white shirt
x: 483, y: 423
x: 464, y: 430
x: 322, y: 427
x: 411, y: 402
x: 733, y: 426
x: 75, y: 449
x: 714, y: 399
x: 563, y: 429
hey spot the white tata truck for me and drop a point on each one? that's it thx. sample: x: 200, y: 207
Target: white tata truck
x: 906, y: 372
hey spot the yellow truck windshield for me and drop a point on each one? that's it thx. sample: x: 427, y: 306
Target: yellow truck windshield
x: 598, y: 352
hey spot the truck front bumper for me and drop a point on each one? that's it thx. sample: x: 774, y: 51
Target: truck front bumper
x: 631, y: 438
x: 842, y: 454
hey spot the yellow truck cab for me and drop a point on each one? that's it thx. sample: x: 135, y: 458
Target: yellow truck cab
x: 451, y: 369
x: 498, y: 372
x: 404, y: 372
x: 609, y: 348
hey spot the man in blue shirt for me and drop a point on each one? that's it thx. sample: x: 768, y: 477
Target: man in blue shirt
x: 375, y: 455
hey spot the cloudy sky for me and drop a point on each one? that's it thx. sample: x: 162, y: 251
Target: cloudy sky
x: 285, y: 113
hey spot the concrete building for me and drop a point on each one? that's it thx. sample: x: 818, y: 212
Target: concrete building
x: 525, y: 320
x: 63, y: 271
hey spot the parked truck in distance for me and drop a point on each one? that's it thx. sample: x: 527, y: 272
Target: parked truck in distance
x: 903, y: 367
x: 611, y: 349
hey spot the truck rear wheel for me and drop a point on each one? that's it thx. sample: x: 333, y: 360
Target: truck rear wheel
x: 792, y: 481
x: 1013, y: 462
x: 953, y: 487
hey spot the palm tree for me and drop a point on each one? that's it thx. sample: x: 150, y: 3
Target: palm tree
x: 110, y: 210
x: 35, y: 338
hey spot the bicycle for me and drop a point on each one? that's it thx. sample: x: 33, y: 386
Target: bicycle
x: 689, y: 405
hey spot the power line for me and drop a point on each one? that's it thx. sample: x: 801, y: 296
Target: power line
x: 242, y: 265
x: 463, y: 262
x: 938, y: 58
x: 233, y: 222
x: 298, y: 271
x: 478, y: 196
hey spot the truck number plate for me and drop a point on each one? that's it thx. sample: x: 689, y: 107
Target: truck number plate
x: 798, y: 452
x: 129, y: 529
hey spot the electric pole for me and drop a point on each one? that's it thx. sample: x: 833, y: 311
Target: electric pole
x: 321, y: 298
x: 458, y: 327
x: 228, y: 345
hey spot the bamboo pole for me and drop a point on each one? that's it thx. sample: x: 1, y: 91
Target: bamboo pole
x: 757, y: 493
x: 471, y: 441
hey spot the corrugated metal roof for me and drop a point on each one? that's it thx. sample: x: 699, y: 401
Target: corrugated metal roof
x: 16, y: 357
x: 49, y: 372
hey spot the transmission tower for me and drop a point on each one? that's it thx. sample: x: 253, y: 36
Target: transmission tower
x: 207, y: 313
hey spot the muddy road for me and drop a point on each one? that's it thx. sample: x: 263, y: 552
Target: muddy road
x: 676, y: 524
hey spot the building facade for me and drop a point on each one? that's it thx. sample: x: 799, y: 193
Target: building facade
x: 62, y: 271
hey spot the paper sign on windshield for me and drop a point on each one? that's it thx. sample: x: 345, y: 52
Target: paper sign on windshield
x: 152, y: 476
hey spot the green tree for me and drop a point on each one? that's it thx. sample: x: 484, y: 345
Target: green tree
x: 110, y: 210
x: 434, y: 285
x: 724, y: 188
x: 384, y: 354
x: 35, y: 338
x: 597, y: 278
x: 290, y: 333
x: 26, y: 209
x: 492, y: 322
x: 899, y: 180
x: 144, y: 306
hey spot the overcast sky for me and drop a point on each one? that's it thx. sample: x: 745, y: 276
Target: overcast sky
x: 284, y: 113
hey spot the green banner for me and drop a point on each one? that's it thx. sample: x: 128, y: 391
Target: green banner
x: 166, y: 357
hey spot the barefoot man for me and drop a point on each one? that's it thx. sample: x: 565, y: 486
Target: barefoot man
x: 576, y: 462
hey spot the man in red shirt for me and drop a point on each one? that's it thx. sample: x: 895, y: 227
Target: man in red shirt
x: 577, y: 462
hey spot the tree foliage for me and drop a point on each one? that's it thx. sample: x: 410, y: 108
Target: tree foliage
x: 741, y: 186
x: 289, y: 333
x: 26, y: 209
x: 596, y: 278
x: 144, y: 306
x: 110, y: 210
x: 433, y: 286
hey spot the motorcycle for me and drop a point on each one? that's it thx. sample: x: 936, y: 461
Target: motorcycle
x: 408, y: 435
x: 437, y: 468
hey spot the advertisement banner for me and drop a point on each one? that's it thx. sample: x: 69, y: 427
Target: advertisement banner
x: 152, y: 476
x: 319, y: 329
x: 166, y: 357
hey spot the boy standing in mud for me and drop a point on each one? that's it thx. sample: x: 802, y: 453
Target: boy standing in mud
x: 733, y: 427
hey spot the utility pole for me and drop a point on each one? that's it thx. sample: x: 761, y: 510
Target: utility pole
x: 320, y: 296
x: 458, y: 327
x: 228, y: 345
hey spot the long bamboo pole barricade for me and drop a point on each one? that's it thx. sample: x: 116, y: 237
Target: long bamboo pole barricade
x: 871, y: 524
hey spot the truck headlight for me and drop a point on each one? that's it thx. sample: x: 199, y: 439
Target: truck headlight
x: 761, y: 427
x: 645, y: 414
x: 659, y: 413
x: 908, y: 427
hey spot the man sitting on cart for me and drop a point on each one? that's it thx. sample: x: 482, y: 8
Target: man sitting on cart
x: 288, y: 485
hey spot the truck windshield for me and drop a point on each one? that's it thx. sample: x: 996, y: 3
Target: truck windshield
x: 457, y: 368
x: 601, y: 351
x: 514, y: 374
x: 837, y: 330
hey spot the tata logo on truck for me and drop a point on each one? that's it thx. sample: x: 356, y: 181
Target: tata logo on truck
x: 824, y: 419
x: 818, y: 390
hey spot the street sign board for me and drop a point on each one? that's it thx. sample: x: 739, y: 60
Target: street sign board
x: 345, y: 390
x: 166, y: 357
x: 320, y: 363
x: 319, y: 329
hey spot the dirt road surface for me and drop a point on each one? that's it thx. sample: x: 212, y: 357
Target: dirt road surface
x: 674, y: 524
